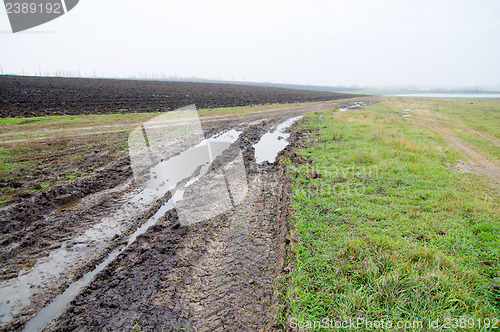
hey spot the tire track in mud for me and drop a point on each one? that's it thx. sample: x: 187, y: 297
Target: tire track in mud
x: 228, y: 283
x: 218, y: 274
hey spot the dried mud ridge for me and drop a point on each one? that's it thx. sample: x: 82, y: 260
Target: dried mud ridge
x: 22, y: 96
x: 217, y: 275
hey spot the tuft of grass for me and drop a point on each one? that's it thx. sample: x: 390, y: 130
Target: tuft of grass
x: 136, y: 327
x: 386, y: 229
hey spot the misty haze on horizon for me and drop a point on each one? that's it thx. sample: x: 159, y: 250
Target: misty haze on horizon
x: 387, y: 44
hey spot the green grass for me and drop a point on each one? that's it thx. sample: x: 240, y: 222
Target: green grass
x: 136, y: 327
x: 388, y: 230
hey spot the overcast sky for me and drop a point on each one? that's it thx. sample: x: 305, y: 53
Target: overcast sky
x: 355, y: 42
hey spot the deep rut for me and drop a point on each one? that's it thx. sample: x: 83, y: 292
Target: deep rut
x: 217, y: 275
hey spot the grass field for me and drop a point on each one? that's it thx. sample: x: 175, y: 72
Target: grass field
x: 476, y: 121
x: 387, y: 227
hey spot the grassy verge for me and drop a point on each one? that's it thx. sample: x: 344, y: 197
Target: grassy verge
x: 386, y: 229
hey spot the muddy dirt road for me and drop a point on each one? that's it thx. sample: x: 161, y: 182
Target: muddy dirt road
x: 104, y: 253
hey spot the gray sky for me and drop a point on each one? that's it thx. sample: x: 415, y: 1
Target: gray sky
x: 362, y: 42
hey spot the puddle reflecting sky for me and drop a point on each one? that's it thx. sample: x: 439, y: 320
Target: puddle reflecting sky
x: 272, y: 143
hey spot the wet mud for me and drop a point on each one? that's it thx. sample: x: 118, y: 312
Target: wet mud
x: 218, y: 274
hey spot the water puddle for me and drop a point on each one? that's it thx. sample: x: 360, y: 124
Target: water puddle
x: 406, y: 110
x: 272, y: 143
x: 353, y: 105
x: 56, y: 307
x: 166, y: 174
x: 67, y: 206
x: 176, y: 174
x: 15, y: 294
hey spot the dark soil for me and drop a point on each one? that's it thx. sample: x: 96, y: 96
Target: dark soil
x: 22, y: 96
